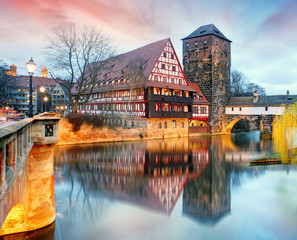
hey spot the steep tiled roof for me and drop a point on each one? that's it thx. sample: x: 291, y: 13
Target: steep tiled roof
x: 275, y: 100
x: 23, y: 81
x: 209, y: 29
x: 146, y: 56
x: 196, y: 87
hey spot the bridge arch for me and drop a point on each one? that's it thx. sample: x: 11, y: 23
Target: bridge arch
x: 15, y: 221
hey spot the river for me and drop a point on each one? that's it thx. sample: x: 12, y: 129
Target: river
x: 185, y: 188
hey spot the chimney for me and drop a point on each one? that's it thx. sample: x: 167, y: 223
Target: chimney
x: 44, y: 72
x: 288, y: 93
x: 256, y: 97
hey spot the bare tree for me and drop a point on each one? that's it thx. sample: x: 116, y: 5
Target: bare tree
x: 241, y: 86
x: 133, y: 74
x: 77, y: 56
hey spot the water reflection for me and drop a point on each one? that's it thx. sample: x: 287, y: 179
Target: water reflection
x: 153, y: 174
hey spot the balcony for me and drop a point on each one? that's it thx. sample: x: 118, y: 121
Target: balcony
x: 161, y: 114
x: 171, y: 99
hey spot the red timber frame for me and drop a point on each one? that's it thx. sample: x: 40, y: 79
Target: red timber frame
x: 169, y: 63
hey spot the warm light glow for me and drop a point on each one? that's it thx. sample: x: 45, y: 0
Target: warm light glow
x: 42, y: 89
x: 31, y: 66
x: 45, y: 99
x: 62, y: 107
x: 65, y: 107
x: 7, y: 108
x: 57, y: 107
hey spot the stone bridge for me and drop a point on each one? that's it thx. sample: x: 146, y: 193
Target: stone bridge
x: 260, y: 122
x: 26, y: 174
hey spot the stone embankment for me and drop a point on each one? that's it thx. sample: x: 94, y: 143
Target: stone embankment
x: 88, y: 134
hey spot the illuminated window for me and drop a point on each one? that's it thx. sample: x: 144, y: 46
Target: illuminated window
x: 182, y: 124
x: 205, y: 42
x: 157, y: 107
x: 186, y: 108
x: 157, y: 91
x: 174, y: 124
x: 166, y: 107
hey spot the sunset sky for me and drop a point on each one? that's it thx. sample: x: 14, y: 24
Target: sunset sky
x: 263, y: 32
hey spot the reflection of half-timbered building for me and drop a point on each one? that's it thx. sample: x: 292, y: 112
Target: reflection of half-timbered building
x: 146, y: 87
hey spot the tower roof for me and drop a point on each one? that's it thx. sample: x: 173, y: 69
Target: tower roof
x: 209, y: 29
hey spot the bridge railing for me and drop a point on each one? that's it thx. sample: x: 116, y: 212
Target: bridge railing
x: 17, y: 140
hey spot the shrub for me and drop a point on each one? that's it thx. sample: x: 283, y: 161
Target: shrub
x: 77, y: 120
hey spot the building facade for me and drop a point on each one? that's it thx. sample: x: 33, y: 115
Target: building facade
x: 155, y: 95
x: 207, y: 62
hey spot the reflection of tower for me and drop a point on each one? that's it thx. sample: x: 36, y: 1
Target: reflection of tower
x: 207, y: 198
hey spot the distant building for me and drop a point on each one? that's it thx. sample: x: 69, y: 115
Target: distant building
x: 60, y: 98
x: 161, y: 98
x: 19, y: 91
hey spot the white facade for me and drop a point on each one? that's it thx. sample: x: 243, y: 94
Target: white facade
x: 255, y: 110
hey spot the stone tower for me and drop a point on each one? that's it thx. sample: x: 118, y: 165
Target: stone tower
x: 207, y: 62
x: 44, y: 72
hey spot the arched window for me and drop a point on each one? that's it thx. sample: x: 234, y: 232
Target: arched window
x: 160, y: 125
x: 182, y: 124
x: 165, y: 124
x: 174, y: 124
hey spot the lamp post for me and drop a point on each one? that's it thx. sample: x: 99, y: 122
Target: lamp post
x: 42, y: 90
x: 45, y: 100
x: 31, y: 66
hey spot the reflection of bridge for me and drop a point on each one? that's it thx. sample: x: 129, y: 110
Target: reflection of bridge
x: 26, y: 175
x: 259, y: 110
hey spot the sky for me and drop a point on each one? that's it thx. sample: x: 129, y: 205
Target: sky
x: 263, y: 32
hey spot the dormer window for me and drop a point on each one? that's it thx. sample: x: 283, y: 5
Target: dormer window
x: 124, y: 70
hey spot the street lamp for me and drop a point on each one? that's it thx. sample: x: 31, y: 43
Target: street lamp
x: 42, y: 90
x: 31, y: 66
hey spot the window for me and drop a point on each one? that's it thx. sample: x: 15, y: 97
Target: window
x: 266, y: 108
x: 196, y: 44
x: 164, y: 54
x: 180, y: 81
x: 174, y: 124
x: 165, y: 124
x: 164, y: 79
x: 217, y: 43
x: 187, y: 45
x: 232, y: 109
x: 182, y: 124
x: 160, y: 125
x: 172, y: 80
x: 155, y: 77
x: 239, y: 108
x: 173, y: 68
x: 157, y: 91
x: 205, y: 42
x: 186, y: 108
x: 203, y: 109
x: 157, y: 107
x: 166, y: 107
x: 172, y: 56
x: 200, y: 98
x: 163, y: 66
x: 186, y: 94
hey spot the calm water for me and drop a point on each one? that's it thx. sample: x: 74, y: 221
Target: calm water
x: 196, y: 188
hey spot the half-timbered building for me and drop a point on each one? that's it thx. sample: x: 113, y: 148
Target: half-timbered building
x: 146, y: 87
